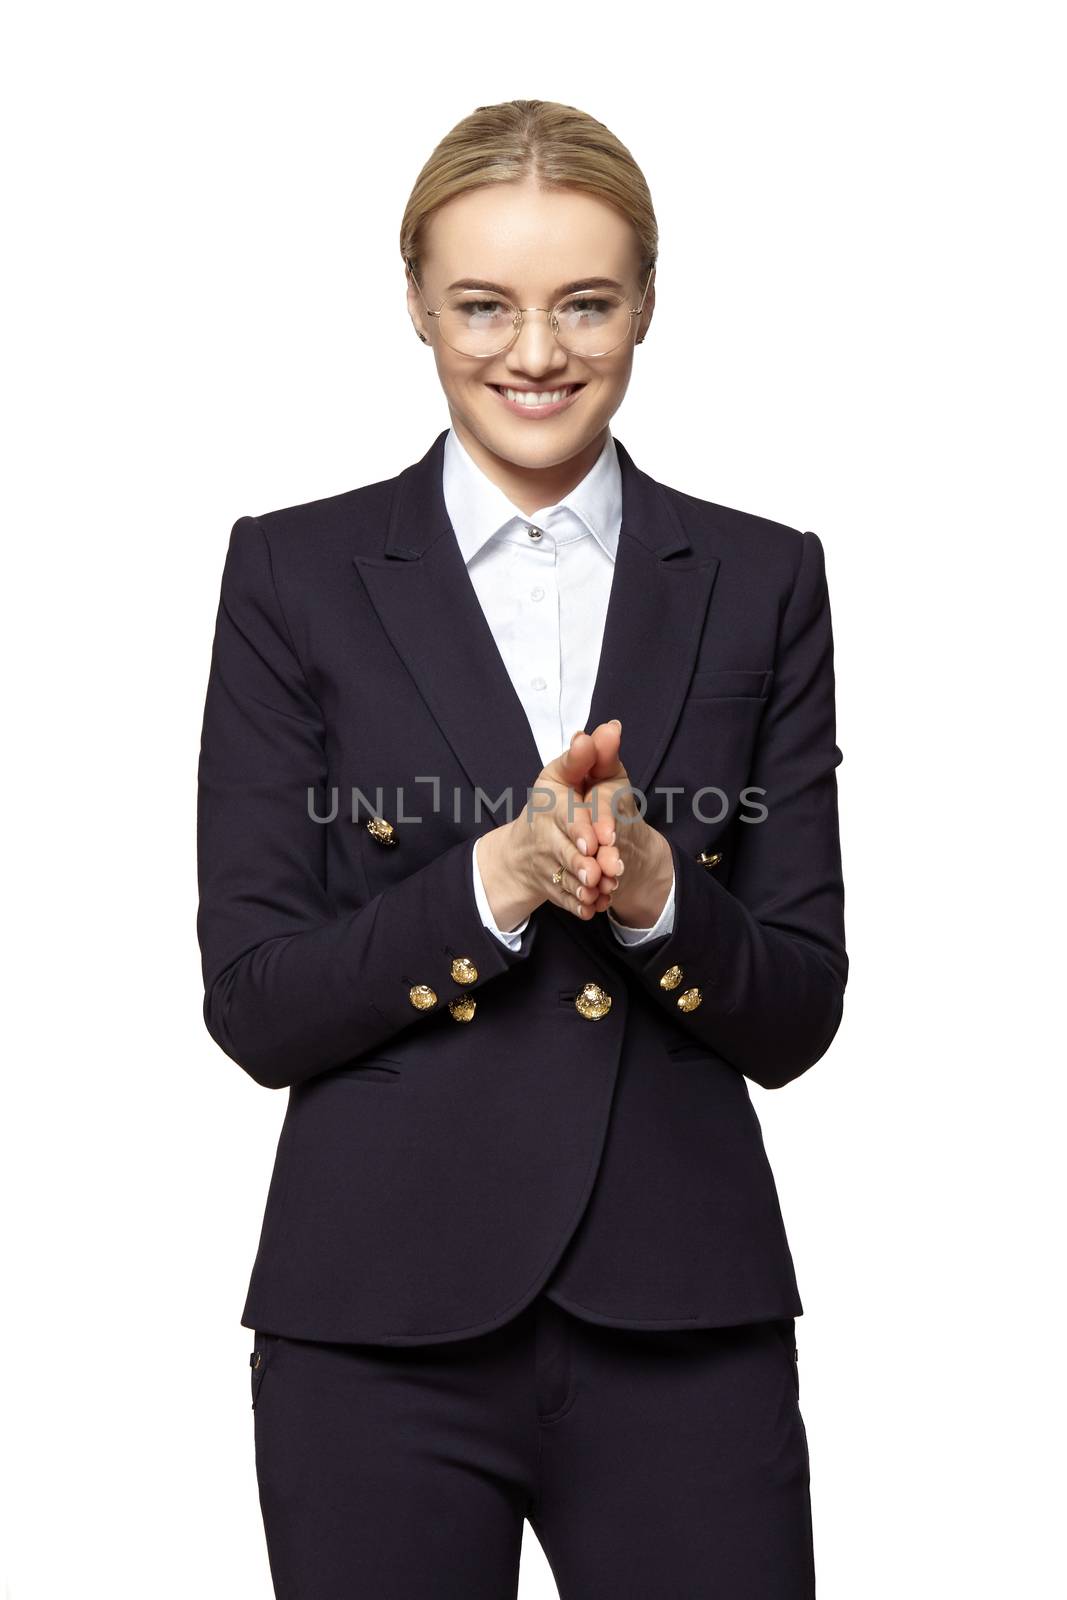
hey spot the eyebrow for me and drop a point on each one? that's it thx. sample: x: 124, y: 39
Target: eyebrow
x: 566, y: 288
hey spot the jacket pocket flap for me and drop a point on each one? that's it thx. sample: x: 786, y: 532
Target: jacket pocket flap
x: 730, y: 683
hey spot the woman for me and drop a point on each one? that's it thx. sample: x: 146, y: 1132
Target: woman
x: 519, y: 854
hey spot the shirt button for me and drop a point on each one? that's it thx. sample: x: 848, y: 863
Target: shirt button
x: 537, y: 594
x: 537, y: 683
x: 535, y: 533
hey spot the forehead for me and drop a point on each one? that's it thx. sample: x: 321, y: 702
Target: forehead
x: 528, y: 238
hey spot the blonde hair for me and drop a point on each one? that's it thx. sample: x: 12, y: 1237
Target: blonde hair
x: 558, y: 145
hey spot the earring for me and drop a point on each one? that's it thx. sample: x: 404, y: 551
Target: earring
x: 421, y: 336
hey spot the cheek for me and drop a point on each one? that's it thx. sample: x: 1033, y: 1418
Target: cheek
x: 453, y: 381
x: 606, y: 389
x: 471, y: 404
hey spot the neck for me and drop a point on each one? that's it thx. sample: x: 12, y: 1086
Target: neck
x: 531, y: 488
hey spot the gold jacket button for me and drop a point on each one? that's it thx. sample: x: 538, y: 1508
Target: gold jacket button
x: 381, y: 830
x: 593, y: 1002
x: 463, y: 1008
x: 689, y: 1000
x: 464, y: 970
x: 422, y: 996
x: 709, y: 858
x: 671, y: 978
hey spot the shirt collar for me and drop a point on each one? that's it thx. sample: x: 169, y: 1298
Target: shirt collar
x: 478, y: 509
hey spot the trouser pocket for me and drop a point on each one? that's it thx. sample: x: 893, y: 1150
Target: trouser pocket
x: 787, y: 1331
x: 258, y: 1361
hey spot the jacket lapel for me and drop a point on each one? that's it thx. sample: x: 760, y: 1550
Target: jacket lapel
x: 430, y: 610
x: 660, y: 592
x: 422, y: 592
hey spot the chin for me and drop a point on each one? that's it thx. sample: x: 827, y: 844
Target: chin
x: 539, y: 444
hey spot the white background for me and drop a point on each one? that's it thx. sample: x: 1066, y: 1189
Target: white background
x: 859, y: 330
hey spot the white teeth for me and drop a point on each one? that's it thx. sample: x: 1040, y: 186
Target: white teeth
x: 545, y: 397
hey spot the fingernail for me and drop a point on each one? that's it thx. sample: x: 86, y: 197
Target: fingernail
x: 615, y: 723
x: 582, y: 848
x: 612, y: 839
x: 583, y: 876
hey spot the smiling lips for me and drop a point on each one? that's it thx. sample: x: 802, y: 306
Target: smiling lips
x: 538, y: 402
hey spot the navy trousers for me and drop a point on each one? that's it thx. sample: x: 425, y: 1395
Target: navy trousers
x: 656, y: 1465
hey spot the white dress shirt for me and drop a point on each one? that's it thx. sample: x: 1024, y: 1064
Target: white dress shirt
x: 545, y: 597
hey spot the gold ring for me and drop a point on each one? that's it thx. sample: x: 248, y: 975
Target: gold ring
x: 557, y: 876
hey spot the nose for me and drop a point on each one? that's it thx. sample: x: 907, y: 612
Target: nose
x: 536, y: 350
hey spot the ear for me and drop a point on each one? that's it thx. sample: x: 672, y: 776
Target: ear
x: 415, y: 308
x: 646, y: 315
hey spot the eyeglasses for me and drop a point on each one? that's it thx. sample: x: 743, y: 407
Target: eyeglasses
x: 480, y: 322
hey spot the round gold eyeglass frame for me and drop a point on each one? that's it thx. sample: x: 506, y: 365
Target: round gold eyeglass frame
x: 520, y: 318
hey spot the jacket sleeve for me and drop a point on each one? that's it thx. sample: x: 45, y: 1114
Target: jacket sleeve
x: 762, y: 964
x: 292, y: 987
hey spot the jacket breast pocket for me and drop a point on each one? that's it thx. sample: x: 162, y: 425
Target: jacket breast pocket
x: 730, y: 683
x: 711, y: 746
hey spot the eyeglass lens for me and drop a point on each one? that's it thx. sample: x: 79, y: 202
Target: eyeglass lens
x: 480, y: 324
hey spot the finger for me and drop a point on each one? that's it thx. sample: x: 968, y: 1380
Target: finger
x: 571, y: 767
x: 585, y: 873
x: 581, y: 834
x: 583, y: 869
x: 597, y: 895
x: 609, y: 860
x: 607, y: 763
x: 566, y: 891
x: 588, y: 813
x: 604, y: 824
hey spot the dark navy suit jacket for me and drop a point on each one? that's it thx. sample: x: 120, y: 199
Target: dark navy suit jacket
x: 434, y: 1175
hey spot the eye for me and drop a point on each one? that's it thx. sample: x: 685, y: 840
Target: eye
x: 482, y: 310
x: 586, y: 308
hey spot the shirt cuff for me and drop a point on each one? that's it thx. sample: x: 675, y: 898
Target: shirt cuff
x: 663, y: 924
x: 513, y: 937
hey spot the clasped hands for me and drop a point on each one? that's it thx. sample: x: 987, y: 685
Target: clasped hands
x: 608, y: 857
